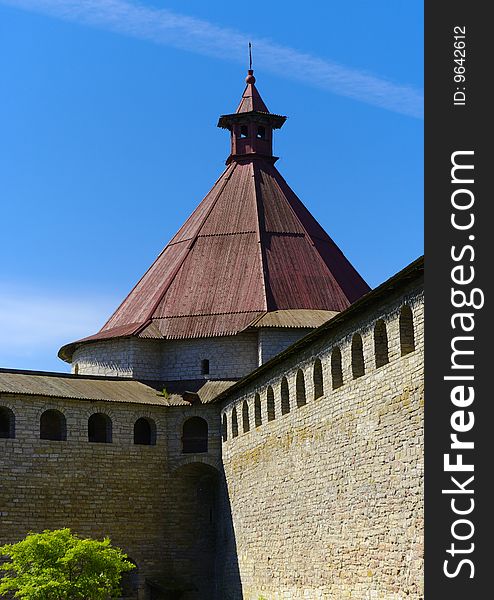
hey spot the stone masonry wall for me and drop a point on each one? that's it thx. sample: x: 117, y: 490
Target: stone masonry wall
x: 139, y: 496
x: 327, y: 498
x: 230, y: 357
x: 272, y: 341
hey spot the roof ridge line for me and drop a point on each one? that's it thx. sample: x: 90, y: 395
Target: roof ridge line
x: 148, y: 320
x: 306, y: 233
x: 262, y: 258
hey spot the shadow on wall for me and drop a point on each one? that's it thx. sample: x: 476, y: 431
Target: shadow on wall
x: 204, y: 564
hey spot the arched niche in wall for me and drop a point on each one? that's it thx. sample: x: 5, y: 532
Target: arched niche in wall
x: 317, y: 377
x: 285, y: 396
x: 52, y: 426
x: 300, y: 389
x: 336, y: 368
x: 407, y: 335
x: 7, y: 422
x: 358, y: 364
x: 145, y: 432
x: 195, y: 436
x: 99, y: 428
x: 381, y: 351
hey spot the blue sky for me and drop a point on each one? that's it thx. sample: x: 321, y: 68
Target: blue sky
x: 109, y: 140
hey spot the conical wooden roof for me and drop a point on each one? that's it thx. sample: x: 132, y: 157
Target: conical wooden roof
x: 251, y: 247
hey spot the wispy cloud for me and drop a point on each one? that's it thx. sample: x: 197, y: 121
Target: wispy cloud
x: 35, y: 323
x: 196, y: 35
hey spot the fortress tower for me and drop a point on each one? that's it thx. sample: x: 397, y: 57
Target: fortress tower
x: 250, y: 272
x: 267, y: 468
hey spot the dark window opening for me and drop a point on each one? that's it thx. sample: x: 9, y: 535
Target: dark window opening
x: 144, y: 432
x: 318, y: 379
x: 257, y: 410
x: 224, y: 428
x: 270, y: 404
x: 285, y: 397
x: 381, y: 344
x: 205, y: 366
x: 244, y: 131
x: 52, y: 426
x: 407, y: 336
x: 7, y: 423
x: 245, y: 417
x: 99, y: 428
x: 261, y: 132
x: 300, y: 389
x: 234, y: 423
x: 358, y: 365
x: 336, y: 368
x: 195, y: 436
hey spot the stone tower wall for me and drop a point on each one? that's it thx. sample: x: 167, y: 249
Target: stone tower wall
x: 327, y: 498
x: 230, y: 357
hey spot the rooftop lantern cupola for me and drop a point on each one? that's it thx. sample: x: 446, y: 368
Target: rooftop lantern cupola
x: 251, y: 126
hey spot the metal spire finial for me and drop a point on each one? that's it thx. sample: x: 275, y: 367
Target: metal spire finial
x: 250, y: 56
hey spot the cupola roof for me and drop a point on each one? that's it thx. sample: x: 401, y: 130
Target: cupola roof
x: 250, y: 248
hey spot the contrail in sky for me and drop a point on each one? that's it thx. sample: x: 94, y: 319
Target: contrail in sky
x: 196, y: 35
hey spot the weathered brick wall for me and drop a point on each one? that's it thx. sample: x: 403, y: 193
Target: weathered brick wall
x: 327, y: 498
x: 141, y: 496
x: 229, y: 357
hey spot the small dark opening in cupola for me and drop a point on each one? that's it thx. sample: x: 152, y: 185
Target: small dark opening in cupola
x: 261, y: 132
x: 205, y: 366
x: 244, y: 131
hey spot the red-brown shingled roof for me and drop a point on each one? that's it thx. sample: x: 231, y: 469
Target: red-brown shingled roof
x: 250, y: 247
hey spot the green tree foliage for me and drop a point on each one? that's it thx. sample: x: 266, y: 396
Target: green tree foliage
x: 57, y: 565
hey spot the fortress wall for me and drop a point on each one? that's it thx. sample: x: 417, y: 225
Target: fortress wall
x: 230, y: 357
x: 327, y: 499
x: 272, y: 341
x: 143, y: 497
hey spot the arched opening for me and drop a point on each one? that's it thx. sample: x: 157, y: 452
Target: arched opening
x: 407, y: 336
x: 199, y: 494
x: 195, y: 436
x: 318, y: 379
x: 245, y: 417
x: 52, y: 426
x: 270, y: 409
x: 358, y: 365
x: 130, y: 583
x: 285, y: 397
x: 257, y: 410
x: 145, y: 432
x: 381, y: 344
x: 224, y: 428
x: 336, y: 368
x: 234, y: 423
x: 7, y: 423
x: 99, y: 428
x: 300, y: 389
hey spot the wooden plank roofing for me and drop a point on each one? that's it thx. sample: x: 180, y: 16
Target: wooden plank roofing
x: 106, y: 389
x: 251, y: 247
